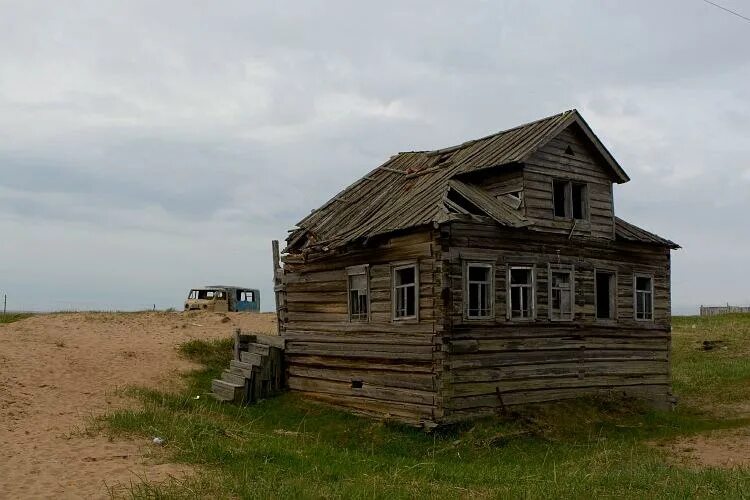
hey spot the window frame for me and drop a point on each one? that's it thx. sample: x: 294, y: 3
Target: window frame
x: 570, y: 271
x: 635, y: 296
x: 394, y: 308
x: 568, y: 200
x: 508, y: 291
x: 467, y: 264
x: 358, y: 271
x: 613, y: 309
x: 585, y: 207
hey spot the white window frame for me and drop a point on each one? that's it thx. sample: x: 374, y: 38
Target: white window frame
x: 635, y: 295
x: 509, y: 288
x: 570, y: 271
x: 394, y: 291
x: 612, y: 298
x: 363, y: 270
x: 490, y: 289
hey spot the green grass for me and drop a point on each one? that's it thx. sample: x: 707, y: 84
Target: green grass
x: 718, y: 377
x: 13, y: 317
x: 289, y: 447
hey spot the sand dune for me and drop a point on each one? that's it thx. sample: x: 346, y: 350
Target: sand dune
x: 56, y: 370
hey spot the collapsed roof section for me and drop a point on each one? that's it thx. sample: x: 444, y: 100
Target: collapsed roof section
x: 419, y: 188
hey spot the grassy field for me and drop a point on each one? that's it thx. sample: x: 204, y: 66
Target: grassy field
x: 287, y: 447
x: 13, y: 317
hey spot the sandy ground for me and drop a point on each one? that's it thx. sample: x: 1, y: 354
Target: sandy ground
x: 725, y: 449
x: 58, y: 370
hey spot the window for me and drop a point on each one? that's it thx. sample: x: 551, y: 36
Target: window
x: 644, y: 297
x: 521, y: 292
x: 604, y: 295
x: 580, y: 203
x: 245, y: 296
x: 405, y: 292
x: 561, y: 294
x: 479, y: 290
x: 570, y: 199
x: 357, y: 286
x: 560, y: 197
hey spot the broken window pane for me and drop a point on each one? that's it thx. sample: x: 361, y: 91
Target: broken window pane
x: 579, y: 201
x: 521, y: 298
x: 405, y: 292
x: 561, y: 299
x: 644, y: 294
x: 605, y: 293
x: 560, y: 195
x: 358, y: 303
x: 479, y: 289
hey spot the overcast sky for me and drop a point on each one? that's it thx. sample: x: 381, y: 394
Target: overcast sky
x: 147, y: 147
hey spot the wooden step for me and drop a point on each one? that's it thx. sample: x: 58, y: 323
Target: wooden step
x: 269, y: 340
x: 242, y: 368
x: 233, y: 378
x: 252, y: 358
x: 227, y: 391
x: 258, y: 349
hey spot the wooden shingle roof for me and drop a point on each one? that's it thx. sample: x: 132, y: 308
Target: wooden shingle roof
x: 408, y: 190
x: 625, y: 231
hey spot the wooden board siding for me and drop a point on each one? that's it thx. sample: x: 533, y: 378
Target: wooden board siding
x: 502, y: 362
x: 500, y: 183
x: 393, y: 360
x: 551, y: 162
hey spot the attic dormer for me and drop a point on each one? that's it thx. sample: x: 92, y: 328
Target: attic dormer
x: 564, y: 185
x: 568, y: 186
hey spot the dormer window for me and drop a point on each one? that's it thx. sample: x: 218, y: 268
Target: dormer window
x: 570, y: 199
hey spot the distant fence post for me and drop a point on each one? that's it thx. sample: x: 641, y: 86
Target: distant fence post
x: 728, y: 309
x: 5, y: 304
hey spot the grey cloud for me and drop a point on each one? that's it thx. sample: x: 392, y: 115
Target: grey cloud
x: 142, y: 136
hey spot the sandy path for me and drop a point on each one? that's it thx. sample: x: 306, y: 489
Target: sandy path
x: 56, y: 370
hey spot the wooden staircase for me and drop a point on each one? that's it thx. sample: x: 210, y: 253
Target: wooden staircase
x: 256, y: 371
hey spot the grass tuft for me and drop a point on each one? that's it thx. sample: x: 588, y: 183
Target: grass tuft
x: 13, y: 317
x: 593, y: 447
x: 214, y: 354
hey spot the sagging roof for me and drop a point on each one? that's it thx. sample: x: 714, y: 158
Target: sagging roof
x: 410, y: 189
x: 625, y: 231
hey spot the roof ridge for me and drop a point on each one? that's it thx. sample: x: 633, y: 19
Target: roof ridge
x: 449, y: 149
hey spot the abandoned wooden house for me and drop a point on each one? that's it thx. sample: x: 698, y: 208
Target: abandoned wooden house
x: 448, y: 284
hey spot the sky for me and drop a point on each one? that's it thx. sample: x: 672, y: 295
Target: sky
x: 148, y: 147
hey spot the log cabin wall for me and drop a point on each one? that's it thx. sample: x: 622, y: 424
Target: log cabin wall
x: 497, y: 362
x: 583, y: 165
x: 383, y: 366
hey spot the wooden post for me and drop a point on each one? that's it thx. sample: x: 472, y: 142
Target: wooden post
x: 278, y: 286
x: 276, y: 261
x: 237, y: 333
